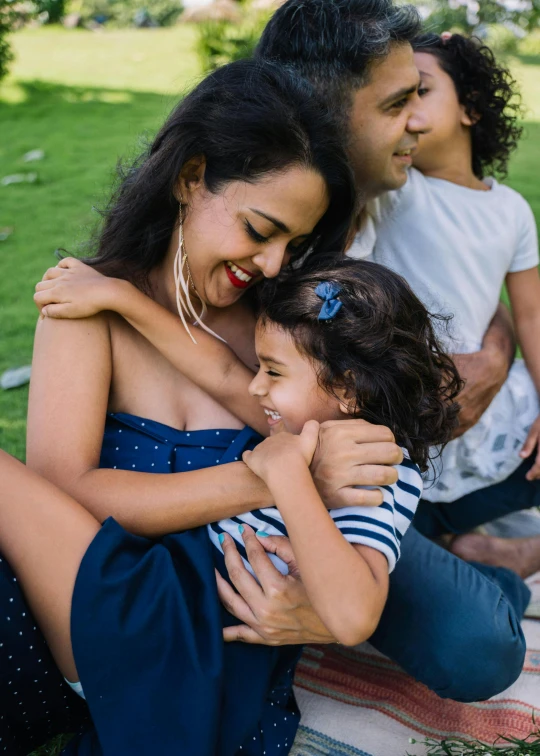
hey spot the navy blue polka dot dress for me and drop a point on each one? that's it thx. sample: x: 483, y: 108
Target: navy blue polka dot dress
x: 147, y: 627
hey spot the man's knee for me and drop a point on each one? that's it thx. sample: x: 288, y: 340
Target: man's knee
x: 475, y: 662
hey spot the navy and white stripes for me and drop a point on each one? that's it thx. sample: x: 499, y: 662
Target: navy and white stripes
x: 381, y: 528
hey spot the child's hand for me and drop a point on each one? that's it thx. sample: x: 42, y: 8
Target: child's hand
x: 277, y: 451
x: 74, y: 290
x: 532, y: 443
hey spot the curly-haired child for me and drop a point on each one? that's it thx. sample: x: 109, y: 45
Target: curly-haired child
x: 347, y: 339
x: 457, y: 235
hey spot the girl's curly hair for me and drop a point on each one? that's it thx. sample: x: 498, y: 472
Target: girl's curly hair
x: 380, y: 348
x: 488, y: 92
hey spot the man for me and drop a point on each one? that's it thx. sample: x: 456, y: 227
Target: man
x: 451, y: 624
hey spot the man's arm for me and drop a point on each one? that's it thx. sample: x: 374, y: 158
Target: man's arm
x: 485, y: 371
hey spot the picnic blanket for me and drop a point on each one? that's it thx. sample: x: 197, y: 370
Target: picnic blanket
x: 357, y: 702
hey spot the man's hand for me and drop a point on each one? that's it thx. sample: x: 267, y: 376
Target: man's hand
x: 532, y: 443
x: 276, y: 610
x: 484, y: 372
x: 354, y: 453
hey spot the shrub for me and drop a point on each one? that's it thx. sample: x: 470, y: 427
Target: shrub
x: 55, y: 10
x: 530, y: 45
x: 122, y: 13
x: 501, y: 39
x: 222, y: 42
x: 7, y: 19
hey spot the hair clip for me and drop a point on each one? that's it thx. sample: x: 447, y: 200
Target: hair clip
x: 328, y: 292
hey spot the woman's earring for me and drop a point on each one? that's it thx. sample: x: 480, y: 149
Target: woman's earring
x: 183, y: 299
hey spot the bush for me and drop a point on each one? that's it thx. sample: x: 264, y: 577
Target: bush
x: 501, y: 40
x: 122, y: 13
x: 222, y: 42
x: 7, y: 19
x: 55, y: 10
x: 530, y: 45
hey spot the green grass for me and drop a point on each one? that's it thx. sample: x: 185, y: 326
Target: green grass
x: 86, y: 98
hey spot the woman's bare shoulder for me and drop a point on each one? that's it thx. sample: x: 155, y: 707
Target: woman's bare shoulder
x: 63, y: 328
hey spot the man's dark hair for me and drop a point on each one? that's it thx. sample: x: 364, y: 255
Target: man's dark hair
x: 380, y: 348
x: 489, y: 93
x: 333, y: 43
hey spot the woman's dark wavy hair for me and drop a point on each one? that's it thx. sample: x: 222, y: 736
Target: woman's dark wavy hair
x: 380, y: 347
x: 248, y: 119
x: 488, y: 92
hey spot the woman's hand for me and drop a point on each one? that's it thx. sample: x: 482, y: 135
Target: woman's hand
x: 276, y: 451
x: 75, y: 290
x: 354, y: 453
x: 276, y: 610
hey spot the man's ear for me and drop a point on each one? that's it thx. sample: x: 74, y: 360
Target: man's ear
x: 191, y: 179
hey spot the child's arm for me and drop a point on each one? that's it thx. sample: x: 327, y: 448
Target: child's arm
x: 524, y: 292
x: 347, y: 584
x: 75, y: 290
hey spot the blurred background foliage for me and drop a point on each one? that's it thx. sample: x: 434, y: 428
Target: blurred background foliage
x: 94, y: 87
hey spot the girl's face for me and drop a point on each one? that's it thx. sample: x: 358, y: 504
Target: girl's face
x: 286, y: 384
x: 248, y: 231
x: 441, y: 107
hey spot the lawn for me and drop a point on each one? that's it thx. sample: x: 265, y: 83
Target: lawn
x: 87, y: 98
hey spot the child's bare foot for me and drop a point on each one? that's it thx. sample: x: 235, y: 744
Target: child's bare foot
x: 522, y: 555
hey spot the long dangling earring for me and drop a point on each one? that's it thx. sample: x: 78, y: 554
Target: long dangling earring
x: 183, y: 299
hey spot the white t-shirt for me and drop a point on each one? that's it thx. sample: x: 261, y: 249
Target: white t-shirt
x: 454, y: 246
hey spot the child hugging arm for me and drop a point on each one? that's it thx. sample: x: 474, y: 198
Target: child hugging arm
x: 349, y: 340
x: 75, y: 290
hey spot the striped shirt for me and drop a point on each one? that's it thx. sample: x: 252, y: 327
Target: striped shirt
x: 380, y: 528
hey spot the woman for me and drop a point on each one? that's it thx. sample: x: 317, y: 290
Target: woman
x: 256, y: 174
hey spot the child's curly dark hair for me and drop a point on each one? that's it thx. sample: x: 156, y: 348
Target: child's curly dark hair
x: 488, y: 92
x: 380, y: 348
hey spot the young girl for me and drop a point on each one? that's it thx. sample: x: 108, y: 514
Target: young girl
x: 457, y: 236
x: 348, y: 339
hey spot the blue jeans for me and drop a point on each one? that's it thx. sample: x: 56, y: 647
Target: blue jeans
x: 455, y: 625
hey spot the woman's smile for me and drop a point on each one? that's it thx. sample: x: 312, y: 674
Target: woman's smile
x: 239, y: 277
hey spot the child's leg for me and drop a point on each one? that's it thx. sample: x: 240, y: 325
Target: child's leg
x: 44, y: 535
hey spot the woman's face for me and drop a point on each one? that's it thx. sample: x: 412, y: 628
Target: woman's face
x: 248, y: 231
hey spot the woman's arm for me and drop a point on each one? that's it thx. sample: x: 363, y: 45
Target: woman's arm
x: 75, y: 290
x: 71, y: 376
x: 524, y: 293
x: 347, y: 585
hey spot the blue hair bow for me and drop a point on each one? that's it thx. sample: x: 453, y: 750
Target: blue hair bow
x: 328, y: 292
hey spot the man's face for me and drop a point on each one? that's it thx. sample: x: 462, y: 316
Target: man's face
x: 385, y: 123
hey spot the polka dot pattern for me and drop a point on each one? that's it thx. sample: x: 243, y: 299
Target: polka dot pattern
x: 35, y: 702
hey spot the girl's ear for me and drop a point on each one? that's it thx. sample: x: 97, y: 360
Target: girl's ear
x: 347, y: 402
x: 468, y: 116
x: 191, y: 179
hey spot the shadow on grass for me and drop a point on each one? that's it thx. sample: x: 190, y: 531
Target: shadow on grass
x: 83, y: 132
x: 34, y: 99
x: 529, y: 60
